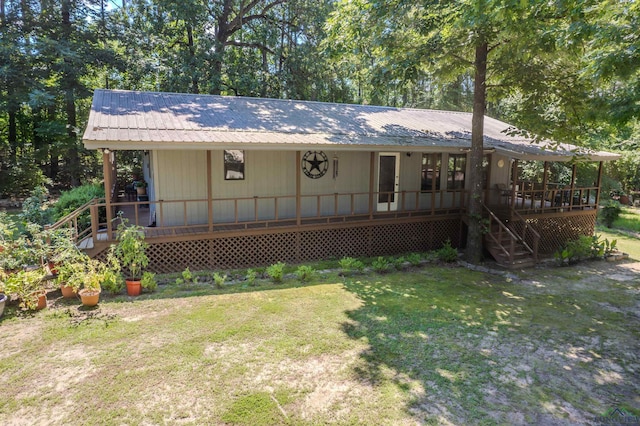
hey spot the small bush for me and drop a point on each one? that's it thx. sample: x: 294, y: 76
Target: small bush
x: 574, y: 251
x: 349, y: 265
x: 414, y: 259
x: 305, y: 273
x: 112, y: 281
x: 447, y: 253
x: 251, y: 277
x: 398, y: 262
x: 219, y: 279
x: 187, y: 275
x: 381, y: 265
x: 35, y: 209
x: 276, y: 272
x: 148, y: 281
x: 610, y: 212
x: 76, y: 197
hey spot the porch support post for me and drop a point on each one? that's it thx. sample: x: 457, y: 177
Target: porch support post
x: 107, y: 172
x: 298, y: 189
x: 598, y: 184
x: 514, y: 182
x: 545, y: 182
x: 573, y: 183
x: 372, y: 163
x: 209, y: 193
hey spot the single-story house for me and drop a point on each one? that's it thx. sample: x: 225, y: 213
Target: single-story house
x: 236, y: 181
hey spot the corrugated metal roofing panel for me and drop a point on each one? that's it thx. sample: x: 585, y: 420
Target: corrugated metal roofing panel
x: 172, y: 120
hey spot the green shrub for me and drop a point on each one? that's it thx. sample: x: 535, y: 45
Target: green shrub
x: 219, y: 279
x: 574, y: 251
x: 76, y: 197
x: 414, y: 259
x: 251, y: 277
x: 381, y: 265
x: 398, y: 262
x: 447, y: 253
x: 349, y: 265
x: 610, y: 212
x: 148, y: 281
x: 187, y: 276
x: 305, y: 273
x: 35, y: 209
x: 113, y: 282
x: 276, y: 272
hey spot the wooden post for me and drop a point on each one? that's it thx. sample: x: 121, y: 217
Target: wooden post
x: 372, y: 164
x: 545, y: 182
x: 93, y: 209
x: 514, y: 182
x: 107, y: 172
x: 298, y: 189
x: 598, y: 183
x: 209, y: 193
x: 573, y: 184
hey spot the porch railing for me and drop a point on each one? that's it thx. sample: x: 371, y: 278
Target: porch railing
x: 202, y: 215
x: 529, y: 197
x: 81, y: 222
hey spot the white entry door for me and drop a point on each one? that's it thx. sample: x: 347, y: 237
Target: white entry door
x: 388, y: 181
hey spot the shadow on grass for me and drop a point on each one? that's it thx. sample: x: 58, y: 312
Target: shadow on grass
x: 465, y: 348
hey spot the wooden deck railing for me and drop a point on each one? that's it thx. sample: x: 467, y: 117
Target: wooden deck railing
x: 244, y: 212
x: 526, y: 197
x: 527, y: 230
x: 82, y: 222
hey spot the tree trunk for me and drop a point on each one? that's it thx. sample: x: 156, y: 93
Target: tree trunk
x: 474, y: 237
x: 73, y: 157
x: 195, y: 84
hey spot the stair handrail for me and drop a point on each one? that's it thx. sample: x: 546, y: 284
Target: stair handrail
x: 71, y: 219
x: 502, y: 227
x: 523, y: 240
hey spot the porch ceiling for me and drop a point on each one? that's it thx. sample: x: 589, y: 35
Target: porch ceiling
x: 125, y: 120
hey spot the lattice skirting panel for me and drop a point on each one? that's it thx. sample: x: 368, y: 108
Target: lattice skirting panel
x: 556, y: 231
x: 302, y: 245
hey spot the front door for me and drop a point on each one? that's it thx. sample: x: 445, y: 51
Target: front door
x: 388, y: 181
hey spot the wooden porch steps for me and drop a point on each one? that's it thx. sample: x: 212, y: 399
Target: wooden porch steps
x: 504, y: 244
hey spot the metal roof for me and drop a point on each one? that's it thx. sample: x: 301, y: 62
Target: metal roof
x: 154, y: 120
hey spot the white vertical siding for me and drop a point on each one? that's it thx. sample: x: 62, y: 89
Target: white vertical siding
x: 182, y: 175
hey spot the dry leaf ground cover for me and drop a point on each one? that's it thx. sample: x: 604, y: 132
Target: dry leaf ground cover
x: 433, y: 345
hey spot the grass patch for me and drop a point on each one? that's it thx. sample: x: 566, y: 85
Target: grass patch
x: 434, y: 345
x: 629, y: 219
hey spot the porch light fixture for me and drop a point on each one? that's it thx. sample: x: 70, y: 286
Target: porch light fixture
x: 106, y: 151
x: 335, y: 166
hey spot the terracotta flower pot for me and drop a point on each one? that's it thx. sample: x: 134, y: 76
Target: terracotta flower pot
x: 53, y: 268
x: 42, y: 301
x: 68, y: 292
x: 133, y: 287
x: 89, y: 297
x: 141, y: 190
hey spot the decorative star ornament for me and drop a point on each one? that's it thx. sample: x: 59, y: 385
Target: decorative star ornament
x: 315, y: 164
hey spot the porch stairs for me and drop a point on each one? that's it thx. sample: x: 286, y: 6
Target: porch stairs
x: 506, y: 239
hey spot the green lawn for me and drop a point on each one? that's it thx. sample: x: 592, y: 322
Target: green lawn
x: 435, y: 345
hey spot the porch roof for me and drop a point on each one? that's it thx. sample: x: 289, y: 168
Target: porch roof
x: 128, y: 120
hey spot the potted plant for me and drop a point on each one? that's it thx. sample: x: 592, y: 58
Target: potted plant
x: 141, y: 187
x: 71, y: 276
x: 60, y: 249
x: 131, y: 253
x: 90, y: 293
x: 29, y: 287
x: 112, y: 280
